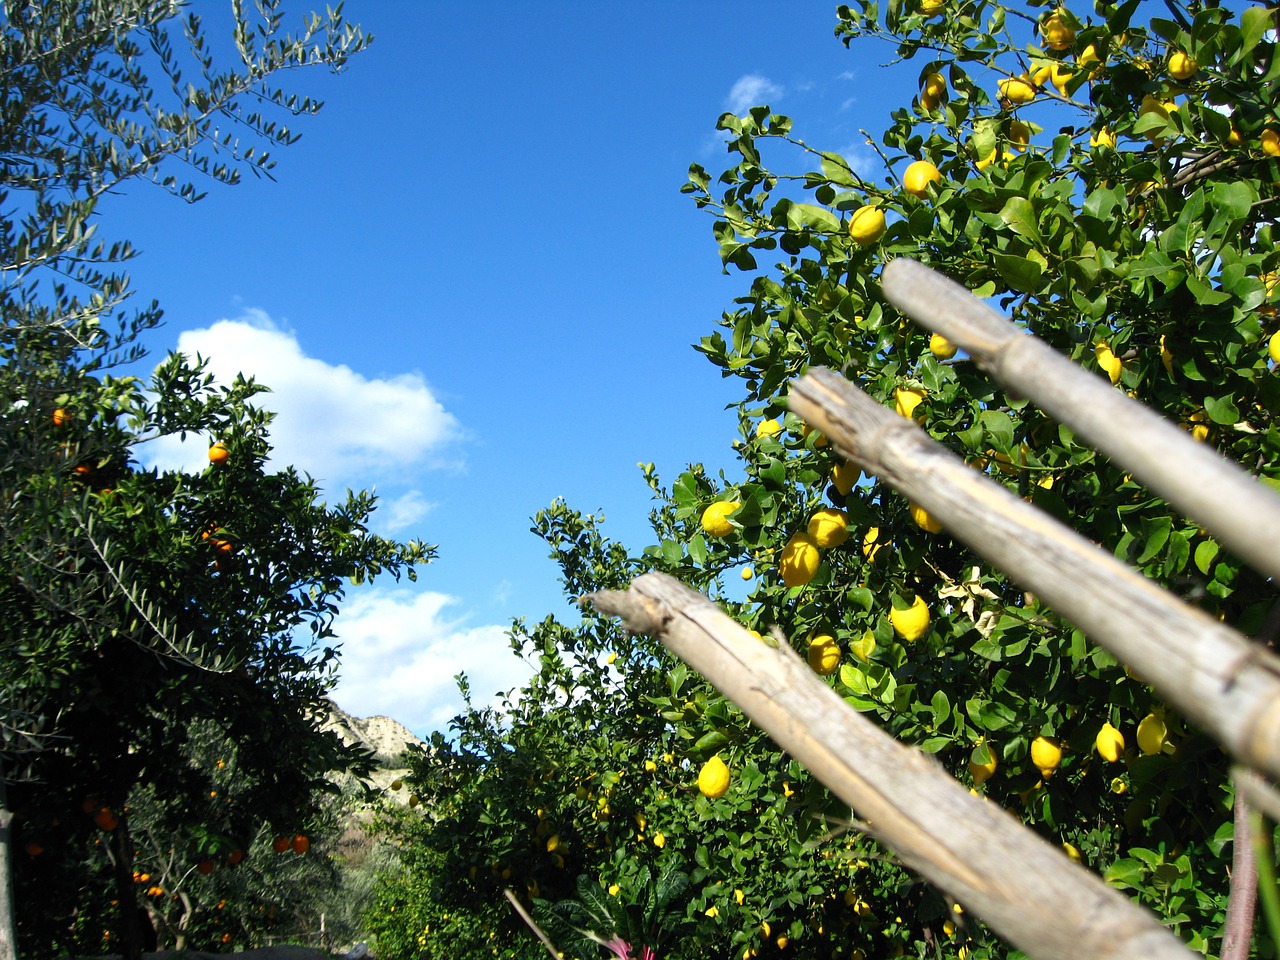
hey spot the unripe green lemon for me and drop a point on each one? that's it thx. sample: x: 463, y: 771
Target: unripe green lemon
x: 864, y: 647
x: 867, y: 225
x: 715, y: 519
x: 1109, y: 743
x: 829, y: 528
x: 800, y: 560
x: 1046, y: 754
x: 713, y: 778
x: 913, y: 622
x: 824, y: 655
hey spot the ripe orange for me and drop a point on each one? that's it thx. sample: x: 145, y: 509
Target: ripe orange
x: 235, y: 856
x: 34, y: 849
x: 218, y: 453
x: 205, y: 866
x: 105, y: 819
x: 280, y: 844
x: 61, y: 417
x: 301, y: 844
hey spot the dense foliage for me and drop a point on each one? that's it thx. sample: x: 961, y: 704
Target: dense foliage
x: 1109, y: 178
x: 168, y: 636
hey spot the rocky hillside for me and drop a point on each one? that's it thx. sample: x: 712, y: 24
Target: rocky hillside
x: 386, y: 738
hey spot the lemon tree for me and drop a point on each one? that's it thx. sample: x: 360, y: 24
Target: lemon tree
x: 1107, y: 175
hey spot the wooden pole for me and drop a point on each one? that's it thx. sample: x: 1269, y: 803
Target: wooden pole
x: 1024, y: 887
x: 1241, y: 511
x: 1209, y: 672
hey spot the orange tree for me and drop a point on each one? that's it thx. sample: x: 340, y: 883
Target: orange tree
x: 1108, y: 176
x: 147, y: 612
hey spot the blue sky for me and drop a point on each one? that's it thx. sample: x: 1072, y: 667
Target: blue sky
x: 475, y: 286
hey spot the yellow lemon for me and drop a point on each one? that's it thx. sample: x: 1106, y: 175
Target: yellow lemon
x: 924, y: 519
x: 1019, y: 135
x: 941, y: 347
x: 982, y: 772
x: 824, y: 655
x: 1152, y: 734
x: 1109, y: 743
x: 935, y: 85
x: 1017, y: 90
x: 844, y: 475
x: 866, y: 226
x: 1162, y: 109
x: 712, y: 911
x: 800, y: 560
x: 1103, y: 138
x: 613, y: 889
x: 1270, y: 141
x: 870, y: 546
x: 713, y: 778
x: 1181, y: 66
x: 1118, y: 786
x: 1273, y: 347
x: 928, y: 103
x: 1057, y: 32
x: 1166, y: 357
x: 768, y: 428
x: 906, y: 399
x: 1046, y: 754
x: 864, y: 647
x: 1108, y: 361
x: 829, y: 528
x: 930, y: 8
x: 715, y: 519
x: 748, y: 573
x: 917, y: 177
x: 913, y: 622
x: 553, y: 843
x: 1073, y: 853
x: 1089, y: 59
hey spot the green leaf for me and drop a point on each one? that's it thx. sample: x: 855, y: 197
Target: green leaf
x: 1255, y: 21
x: 836, y: 169
x: 1020, y: 216
x: 1206, y: 553
x: 1222, y: 410
x: 1021, y: 273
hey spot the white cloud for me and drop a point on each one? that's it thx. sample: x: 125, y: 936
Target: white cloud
x: 403, y: 512
x: 400, y: 655
x: 751, y: 90
x: 331, y: 422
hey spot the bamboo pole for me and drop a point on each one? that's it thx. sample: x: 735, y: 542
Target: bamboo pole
x: 1241, y: 512
x: 1209, y: 672
x: 1024, y: 887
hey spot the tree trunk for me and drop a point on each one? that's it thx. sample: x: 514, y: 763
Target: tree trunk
x: 126, y: 890
x: 8, y: 922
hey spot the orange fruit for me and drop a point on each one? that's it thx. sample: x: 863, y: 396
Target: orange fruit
x: 34, y: 849
x: 205, y: 866
x: 280, y: 844
x: 218, y: 453
x: 61, y: 418
x: 105, y: 819
x: 301, y: 843
x: 235, y: 856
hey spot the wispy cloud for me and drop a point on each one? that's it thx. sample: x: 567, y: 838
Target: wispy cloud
x: 752, y: 90
x: 338, y: 425
x: 400, y: 654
